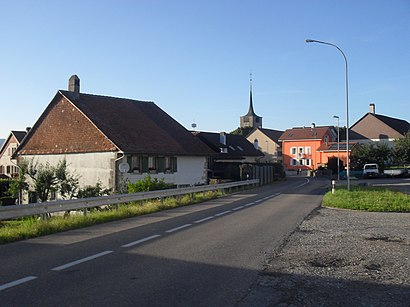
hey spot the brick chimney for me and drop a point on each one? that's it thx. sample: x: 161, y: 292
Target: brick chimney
x: 372, y: 108
x: 74, y: 85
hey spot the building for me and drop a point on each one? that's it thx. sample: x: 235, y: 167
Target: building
x: 250, y: 119
x: 267, y: 141
x: 373, y: 127
x: 300, y: 146
x: 112, y: 140
x: 8, y: 165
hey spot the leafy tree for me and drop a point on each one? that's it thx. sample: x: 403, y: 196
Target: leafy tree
x: 370, y: 153
x: 44, y: 179
x: 401, y: 150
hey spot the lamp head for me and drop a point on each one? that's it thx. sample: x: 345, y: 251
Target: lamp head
x: 309, y: 40
x: 335, y: 116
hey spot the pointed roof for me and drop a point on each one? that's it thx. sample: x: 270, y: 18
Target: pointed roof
x: 237, y: 145
x: 130, y: 126
x: 18, y: 135
x: 399, y: 125
x: 251, y: 112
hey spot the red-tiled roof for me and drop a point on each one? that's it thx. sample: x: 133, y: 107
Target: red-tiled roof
x: 304, y: 133
x: 133, y: 126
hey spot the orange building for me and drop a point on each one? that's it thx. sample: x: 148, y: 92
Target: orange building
x: 300, y: 146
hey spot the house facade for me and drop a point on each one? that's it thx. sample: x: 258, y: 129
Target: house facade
x: 8, y: 165
x: 267, y: 141
x: 300, y: 146
x: 373, y: 127
x: 111, y: 140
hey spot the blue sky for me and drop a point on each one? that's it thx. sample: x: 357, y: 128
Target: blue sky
x: 193, y: 58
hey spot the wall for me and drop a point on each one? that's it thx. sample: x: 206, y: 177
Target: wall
x: 5, y: 157
x: 190, y: 171
x: 91, y: 167
x: 270, y: 149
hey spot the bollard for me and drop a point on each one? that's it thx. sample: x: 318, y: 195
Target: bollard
x: 333, y: 186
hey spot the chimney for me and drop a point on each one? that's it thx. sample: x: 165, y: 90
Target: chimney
x: 74, y: 84
x: 372, y: 108
x: 222, y: 138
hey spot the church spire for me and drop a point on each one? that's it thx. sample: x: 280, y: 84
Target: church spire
x: 250, y: 120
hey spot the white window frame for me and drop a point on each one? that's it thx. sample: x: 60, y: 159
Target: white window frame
x: 293, y: 151
x: 308, y: 150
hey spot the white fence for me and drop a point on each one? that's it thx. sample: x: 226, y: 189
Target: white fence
x: 17, y: 211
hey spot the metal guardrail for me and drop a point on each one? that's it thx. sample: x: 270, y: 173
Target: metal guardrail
x: 17, y: 211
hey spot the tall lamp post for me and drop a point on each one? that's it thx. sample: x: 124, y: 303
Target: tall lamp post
x: 338, y: 147
x: 347, y: 108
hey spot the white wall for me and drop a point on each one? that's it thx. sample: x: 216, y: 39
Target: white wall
x: 91, y: 167
x: 190, y: 171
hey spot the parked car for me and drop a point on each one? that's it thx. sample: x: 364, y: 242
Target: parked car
x: 371, y: 170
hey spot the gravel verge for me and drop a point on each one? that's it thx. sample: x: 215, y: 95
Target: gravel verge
x: 339, y: 257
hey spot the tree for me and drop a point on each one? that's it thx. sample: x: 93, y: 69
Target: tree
x: 370, y: 153
x: 44, y: 179
x: 401, y: 150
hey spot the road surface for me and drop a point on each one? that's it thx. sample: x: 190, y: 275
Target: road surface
x: 201, y: 255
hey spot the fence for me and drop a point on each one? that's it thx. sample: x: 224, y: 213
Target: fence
x: 17, y: 211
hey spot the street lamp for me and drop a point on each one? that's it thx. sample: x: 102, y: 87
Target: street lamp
x: 338, y: 159
x: 347, y: 107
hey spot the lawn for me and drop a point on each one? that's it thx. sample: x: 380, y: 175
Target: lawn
x: 368, y: 199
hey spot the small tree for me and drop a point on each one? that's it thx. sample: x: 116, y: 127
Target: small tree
x: 370, y: 153
x: 92, y: 191
x: 401, y: 150
x: 44, y: 179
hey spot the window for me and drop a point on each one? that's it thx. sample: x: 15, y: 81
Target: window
x: 307, y: 150
x: 172, y: 164
x: 293, y: 150
x: 160, y: 164
x: 308, y: 162
x: 293, y: 162
x: 144, y: 164
x: 326, y: 139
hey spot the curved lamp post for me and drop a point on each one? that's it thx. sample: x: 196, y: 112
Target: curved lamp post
x: 347, y: 108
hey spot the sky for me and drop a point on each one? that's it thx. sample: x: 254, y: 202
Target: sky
x: 194, y: 58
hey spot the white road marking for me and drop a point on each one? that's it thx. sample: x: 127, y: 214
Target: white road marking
x: 17, y: 282
x: 67, y: 265
x: 140, y: 241
x: 204, y: 219
x: 301, y: 185
x: 237, y: 208
x: 222, y: 213
x: 178, y: 228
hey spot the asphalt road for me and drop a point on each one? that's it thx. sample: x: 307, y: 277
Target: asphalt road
x: 202, y: 255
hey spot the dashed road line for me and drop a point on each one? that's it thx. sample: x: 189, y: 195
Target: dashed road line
x: 178, y: 228
x: 140, y: 241
x: 223, y: 212
x: 70, y: 264
x: 203, y: 220
x: 17, y: 282
x: 238, y: 208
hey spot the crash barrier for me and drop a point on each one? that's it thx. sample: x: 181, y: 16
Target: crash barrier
x: 18, y: 211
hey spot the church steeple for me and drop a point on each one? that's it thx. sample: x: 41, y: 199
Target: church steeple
x: 251, y: 112
x: 251, y: 119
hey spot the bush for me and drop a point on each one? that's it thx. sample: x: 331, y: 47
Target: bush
x: 148, y: 184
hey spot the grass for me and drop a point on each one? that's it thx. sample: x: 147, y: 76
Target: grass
x: 368, y: 199
x: 15, y: 230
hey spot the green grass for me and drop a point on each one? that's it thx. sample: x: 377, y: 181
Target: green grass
x: 15, y: 230
x: 368, y: 199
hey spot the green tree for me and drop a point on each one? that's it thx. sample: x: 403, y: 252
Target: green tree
x: 379, y: 153
x: 44, y: 179
x: 401, y: 150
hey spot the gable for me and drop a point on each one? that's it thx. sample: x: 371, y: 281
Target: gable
x: 374, y: 128
x: 61, y: 129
